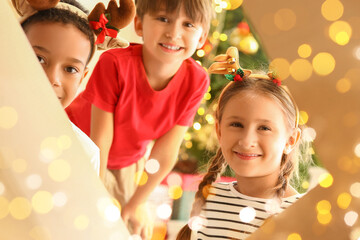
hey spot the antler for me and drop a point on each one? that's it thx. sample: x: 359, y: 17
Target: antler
x: 26, y: 6
x: 119, y: 16
x: 227, y: 63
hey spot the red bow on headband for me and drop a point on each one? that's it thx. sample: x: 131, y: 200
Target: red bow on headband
x: 101, y: 24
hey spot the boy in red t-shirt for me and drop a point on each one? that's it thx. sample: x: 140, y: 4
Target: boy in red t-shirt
x: 146, y: 92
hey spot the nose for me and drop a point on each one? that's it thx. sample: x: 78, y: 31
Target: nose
x: 174, y: 31
x: 248, y: 139
x: 54, y: 76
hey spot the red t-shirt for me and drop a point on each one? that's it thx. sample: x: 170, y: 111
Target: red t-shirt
x: 119, y: 85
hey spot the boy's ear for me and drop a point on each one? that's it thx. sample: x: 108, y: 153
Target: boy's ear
x: 293, y: 140
x: 202, y: 39
x: 138, y: 26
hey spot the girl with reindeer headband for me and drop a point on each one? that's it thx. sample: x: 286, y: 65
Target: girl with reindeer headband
x: 259, y: 137
x: 64, y: 39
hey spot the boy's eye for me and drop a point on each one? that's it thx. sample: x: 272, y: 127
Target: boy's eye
x: 264, y: 128
x: 163, y: 19
x: 41, y: 59
x: 236, y: 124
x: 189, y: 25
x: 71, y: 70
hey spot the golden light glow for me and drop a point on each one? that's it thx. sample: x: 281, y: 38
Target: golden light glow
x: 281, y: 68
x: 141, y: 178
x: 188, y: 144
x: 210, y: 119
x: 187, y: 136
x: 19, y: 165
x: 218, y: 9
x: 332, y: 10
x: 64, y: 142
x: 223, y: 37
x: 42, y: 202
x: 247, y: 214
x: 60, y: 199
x: 4, y: 207
x: 294, y: 236
x: 175, y: 192
x: 197, y: 126
x: 201, y: 111
x: 301, y: 70
x: 355, y: 189
x: 248, y: 44
x: 20, y: 208
x: 323, y: 207
x: 344, y: 200
x: 343, y: 85
x: 33, y: 181
x: 326, y: 180
x: 355, y: 234
x: 216, y: 35
x: 207, y: 96
x: 174, y: 179
x: 305, y: 184
x: 59, y: 170
x: 340, y: 32
x: 112, y: 213
x: 200, y: 53
x: 81, y: 222
x: 285, y: 19
x: 233, y: 4
x: 324, y: 219
x: 304, y: 50
x: 8, y: 117
x: 323, y: 63
x: 304, y: 117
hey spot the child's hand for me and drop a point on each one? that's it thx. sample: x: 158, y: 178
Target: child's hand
x: 138, y: 218
x: 227, y: 63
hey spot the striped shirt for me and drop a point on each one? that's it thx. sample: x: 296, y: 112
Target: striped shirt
x: 228, y: 214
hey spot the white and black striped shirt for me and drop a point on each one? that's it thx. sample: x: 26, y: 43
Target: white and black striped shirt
x: 222, y: 217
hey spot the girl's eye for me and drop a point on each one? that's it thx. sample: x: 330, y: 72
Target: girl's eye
x: 264, y: 128
x: 236, y: 124
x: 163, y: 19
x: 41, y: 59
x: 71, y: 70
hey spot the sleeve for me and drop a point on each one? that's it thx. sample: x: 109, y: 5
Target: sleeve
x: 103, y: 88
x: 195, y: 98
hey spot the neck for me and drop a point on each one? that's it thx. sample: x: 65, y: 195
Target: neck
x: 159, y: 73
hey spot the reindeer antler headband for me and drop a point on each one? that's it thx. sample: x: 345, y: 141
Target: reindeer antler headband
x: 106, y: 23
x: 228, y: 64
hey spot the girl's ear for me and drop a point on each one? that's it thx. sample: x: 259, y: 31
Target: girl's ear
x: 138, y: 26
x: 292, y: 141
x: 218, y: 131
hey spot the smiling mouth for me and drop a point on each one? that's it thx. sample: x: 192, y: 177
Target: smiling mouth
x: 171, y: 47
x: 247, y: 156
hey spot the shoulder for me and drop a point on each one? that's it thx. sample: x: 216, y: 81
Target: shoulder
x: 192, y: 66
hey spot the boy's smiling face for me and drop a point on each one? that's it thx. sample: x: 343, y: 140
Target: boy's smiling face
x: 62, y: 51
x: 169, y: 38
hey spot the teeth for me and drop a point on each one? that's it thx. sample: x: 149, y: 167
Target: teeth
x: 171, y: 47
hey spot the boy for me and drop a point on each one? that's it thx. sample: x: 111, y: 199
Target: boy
x: 143, y: 93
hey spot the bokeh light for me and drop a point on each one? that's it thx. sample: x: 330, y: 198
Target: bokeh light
x: 294, y: 236
x: 323, y: 207
x: 233, y: 4
x: 332, y: 10
x: 340, y: 32
x: 140, y: 178
x: 197, y: 126
x: 152, y: 166
x: 112, y: 213
x: 59, y: 170
x: 42, y: 202
x: 247, y: 214
x: 355, y: 189
x: 174, y: 179
x: 301, y: 70
x: 50, y: 149
x: 64, y: 142
x: 210, y: 119
x: 326, y: 180
x: 4, y: 207
x: 81, y: 222
x: 33, y: 181
x: 8, y: 117
x: 343, y: 85
x: 164, y: 211
x: 344, y: 200
x: 309, y: 134
x: 285, y: 19
x: 273, y: 206
x: 304, y: 50
x: 355, y: 234
x: 20, y: 208
x: 357, y: 150
x: 2, y: 188
x: 280, y: 67
x: 59, y: 199
x: 304, y: 117
x: 351, y: 218
x: 324, y: 219
x: 200, y: 53
x: 201, y: 111
x: 175, y: 192
x: 323, y: 63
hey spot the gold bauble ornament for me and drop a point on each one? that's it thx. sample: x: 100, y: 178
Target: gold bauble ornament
x: 233, y: 4
x: 248, y: 45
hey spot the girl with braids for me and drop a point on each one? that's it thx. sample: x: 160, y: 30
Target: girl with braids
x: 259, y: 138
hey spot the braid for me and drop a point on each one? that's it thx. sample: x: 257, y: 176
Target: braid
x: 286, y: 169
x: 217, y: 165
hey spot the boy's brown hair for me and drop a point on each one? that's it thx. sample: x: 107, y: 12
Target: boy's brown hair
x: 197, y: 10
